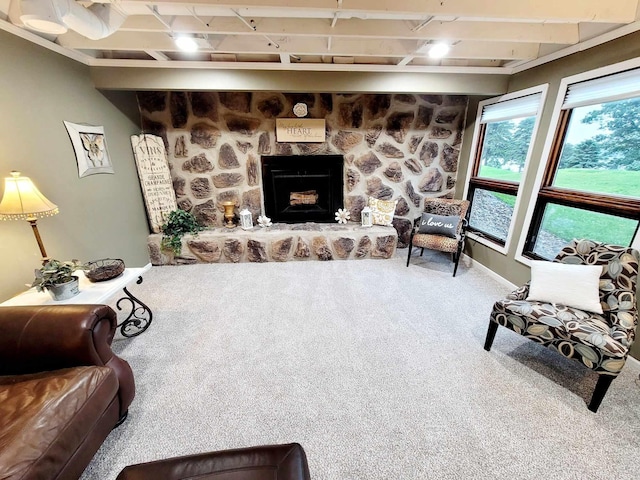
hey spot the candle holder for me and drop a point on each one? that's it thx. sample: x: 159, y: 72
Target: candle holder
x: 229, y: 207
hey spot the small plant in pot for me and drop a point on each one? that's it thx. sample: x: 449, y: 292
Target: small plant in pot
x: 179, y: 223
x: 57, y: 278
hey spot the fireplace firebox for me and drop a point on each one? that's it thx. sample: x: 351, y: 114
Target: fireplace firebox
x: 302, y: 188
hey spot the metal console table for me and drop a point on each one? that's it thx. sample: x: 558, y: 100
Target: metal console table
x: 137, y: 320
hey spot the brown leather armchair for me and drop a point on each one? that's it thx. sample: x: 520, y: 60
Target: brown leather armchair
x: 62, y: 389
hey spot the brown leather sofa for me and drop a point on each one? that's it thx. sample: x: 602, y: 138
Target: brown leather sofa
x: 268, y: 462
x: 62, y: 389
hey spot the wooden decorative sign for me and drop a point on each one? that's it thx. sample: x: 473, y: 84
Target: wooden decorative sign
x: 155, y: 178
x: 303, y: 130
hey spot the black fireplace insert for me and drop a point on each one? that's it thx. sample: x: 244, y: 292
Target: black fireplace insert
x: 302, y: 188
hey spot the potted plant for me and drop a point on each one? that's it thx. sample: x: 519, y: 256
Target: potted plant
x: 179, y: 223
x: 57, y: 278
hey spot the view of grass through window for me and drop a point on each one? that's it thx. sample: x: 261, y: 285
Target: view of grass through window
x: 504, y: 152
x: 600, y: 155
x: 562, y: 224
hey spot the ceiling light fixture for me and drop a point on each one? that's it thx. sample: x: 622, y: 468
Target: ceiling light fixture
x: 56, y: 17
x: 42, y: 16
x: 186, y: 43
x: 438, y: 50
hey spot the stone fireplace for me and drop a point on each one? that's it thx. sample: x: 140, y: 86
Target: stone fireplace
x: 402, y: 147
x: 302, y: 188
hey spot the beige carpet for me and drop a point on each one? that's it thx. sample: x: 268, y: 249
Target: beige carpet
x: 376, y: 369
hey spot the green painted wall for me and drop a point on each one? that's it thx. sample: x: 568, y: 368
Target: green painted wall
x: 100, y: 215
x: 624, y: 48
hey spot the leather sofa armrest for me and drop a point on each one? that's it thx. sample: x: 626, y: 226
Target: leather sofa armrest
x: 42, y: 338
x: 278, y: 462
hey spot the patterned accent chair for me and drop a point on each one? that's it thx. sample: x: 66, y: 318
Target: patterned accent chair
x: 447, y: 207
x: 599, y: 342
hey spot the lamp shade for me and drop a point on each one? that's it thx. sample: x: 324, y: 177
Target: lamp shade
x: 23, y: 201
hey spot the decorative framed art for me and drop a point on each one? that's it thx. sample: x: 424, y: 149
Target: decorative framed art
x: 90, y: 147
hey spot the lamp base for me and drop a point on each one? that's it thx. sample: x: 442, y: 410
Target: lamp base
x: 43, y: 252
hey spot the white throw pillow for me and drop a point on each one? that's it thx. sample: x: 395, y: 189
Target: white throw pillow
x: 576, y: 286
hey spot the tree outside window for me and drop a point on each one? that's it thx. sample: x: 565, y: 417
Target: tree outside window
x: 591, y: 186
x: 505, y: 132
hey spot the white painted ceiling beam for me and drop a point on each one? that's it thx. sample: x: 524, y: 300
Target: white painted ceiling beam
x: 619, y: 11
x: 436, y: 30
x: 129, y: 41
x: 157, y: 55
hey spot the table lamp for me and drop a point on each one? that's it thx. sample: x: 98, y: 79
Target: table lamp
x: 23, y: 201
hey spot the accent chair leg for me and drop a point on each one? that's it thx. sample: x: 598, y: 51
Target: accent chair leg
x: 410, y: 248
x: 491, y: 334
x: 601, y: 389
x: 456, y: 259
x: 421, y: 251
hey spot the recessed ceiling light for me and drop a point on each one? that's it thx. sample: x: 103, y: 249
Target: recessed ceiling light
x: 186, y: 44
x: 439, y: 50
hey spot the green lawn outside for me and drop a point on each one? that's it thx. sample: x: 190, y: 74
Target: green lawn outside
x: 616, y: 182
x: 568, y: 223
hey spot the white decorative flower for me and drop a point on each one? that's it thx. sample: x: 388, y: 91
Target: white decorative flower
x: 264, y: 221
x: 342, y: 215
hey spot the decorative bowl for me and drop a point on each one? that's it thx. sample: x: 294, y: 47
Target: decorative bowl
x: 104, y: 269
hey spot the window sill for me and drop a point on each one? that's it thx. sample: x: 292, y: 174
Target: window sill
x: 488, y: 243
x: 522, y: 259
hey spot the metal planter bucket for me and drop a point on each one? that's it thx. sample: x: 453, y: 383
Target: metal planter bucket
x: 64, y: 291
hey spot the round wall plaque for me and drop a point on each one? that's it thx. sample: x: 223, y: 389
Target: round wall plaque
x: 300, y: 109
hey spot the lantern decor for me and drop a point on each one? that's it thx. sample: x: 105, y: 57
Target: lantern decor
x: 246, y: 220
x: 365, y: 215
x: 228, y: 213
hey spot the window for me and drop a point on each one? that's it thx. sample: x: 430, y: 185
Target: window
x: 503, y: 137
x: 591, y: 183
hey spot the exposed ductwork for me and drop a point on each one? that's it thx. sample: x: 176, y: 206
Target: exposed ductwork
x: 57, y: 16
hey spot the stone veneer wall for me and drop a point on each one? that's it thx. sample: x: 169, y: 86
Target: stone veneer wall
x: 396, y: 146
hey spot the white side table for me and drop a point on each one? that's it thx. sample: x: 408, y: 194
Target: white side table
x: 138, y: 319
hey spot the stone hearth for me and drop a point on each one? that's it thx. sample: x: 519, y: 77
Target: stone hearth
x: 280, y: 243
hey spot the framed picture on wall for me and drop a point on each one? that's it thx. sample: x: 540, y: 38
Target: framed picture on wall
x: 90, y: 147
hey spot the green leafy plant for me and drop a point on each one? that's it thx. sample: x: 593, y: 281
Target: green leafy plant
x: 179, y: 223
x: 55, y: 272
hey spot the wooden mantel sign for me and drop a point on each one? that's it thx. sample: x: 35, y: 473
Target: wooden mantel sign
x: 305, y: 130
x: 155, y: 178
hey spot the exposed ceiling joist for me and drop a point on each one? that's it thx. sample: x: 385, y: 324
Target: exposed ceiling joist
x: 620, y: 11
x: 437, y: 30
x: 363, y: 34
x: 129, y: 41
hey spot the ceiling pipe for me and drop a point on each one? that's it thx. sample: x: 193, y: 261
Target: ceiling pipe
x: 56, y: 16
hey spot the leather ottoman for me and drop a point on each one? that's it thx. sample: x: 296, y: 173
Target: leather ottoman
x: 270, y: 462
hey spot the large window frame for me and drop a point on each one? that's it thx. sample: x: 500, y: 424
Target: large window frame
x: 475, y: 182
x: 545, y: 193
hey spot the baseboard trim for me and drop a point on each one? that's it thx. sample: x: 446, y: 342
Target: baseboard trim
x: 633, y: 359
x: 475, y: 264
